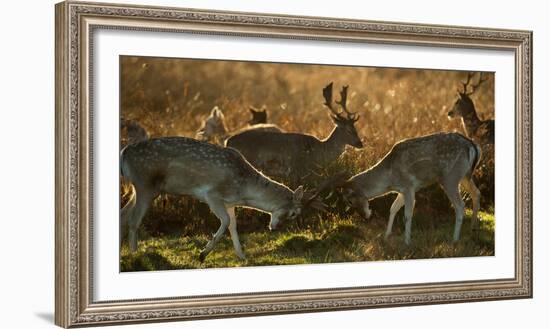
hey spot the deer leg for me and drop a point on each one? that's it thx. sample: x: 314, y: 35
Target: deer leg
x: 234, y: 234
x: 409, y: 207
x: 218, y: 208
x: 396, y: 205
x: 126, y: 213
x: 144, y: 199
x: 472, y: 189
x: 453, y: 193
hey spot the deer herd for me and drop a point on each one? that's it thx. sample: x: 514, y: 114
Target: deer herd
x: 237, y: 169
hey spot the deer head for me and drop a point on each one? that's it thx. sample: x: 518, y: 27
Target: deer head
x: 289, y: 211
x: 134, y: 131
x: 356, y: 200
x: 259, y: 116
x: 464, y: 106
x: 213, y: 126
x: 344, y: 120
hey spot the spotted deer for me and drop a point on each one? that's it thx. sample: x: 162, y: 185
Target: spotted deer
x: 218, y: 176
x: 483, y: 132
x: 447, y: 159
x: 214, y: 129
x: 295, y: 155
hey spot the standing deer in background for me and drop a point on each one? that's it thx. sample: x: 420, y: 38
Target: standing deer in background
x: 483, y: 132
x: 259, y: 116
x: 134, y: 131
x: 218, y: 176
x: 448, y: 159
x: 214, y: 129
x: 295, y: 155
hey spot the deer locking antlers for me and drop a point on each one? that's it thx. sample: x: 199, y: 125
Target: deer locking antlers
x: 311, y: 198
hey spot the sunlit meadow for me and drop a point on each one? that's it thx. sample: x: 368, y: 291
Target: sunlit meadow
x: 171, y: 97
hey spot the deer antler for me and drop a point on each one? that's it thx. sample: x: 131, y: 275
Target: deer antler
x: 480, y: 81
x: 327, y: 94
x: 466, y: 84
x: 343, y: 98
x: 343, y: 104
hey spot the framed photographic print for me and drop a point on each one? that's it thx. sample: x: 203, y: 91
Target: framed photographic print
x: 218, y: 164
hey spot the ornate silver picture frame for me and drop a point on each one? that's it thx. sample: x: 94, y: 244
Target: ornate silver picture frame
x: 76, y: 23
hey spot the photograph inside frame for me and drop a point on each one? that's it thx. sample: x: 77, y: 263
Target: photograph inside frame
x: 232, y: 163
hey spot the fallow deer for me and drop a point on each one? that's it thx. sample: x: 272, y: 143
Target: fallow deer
x: 259, y: 116
x: 295, y: 155
x: 134, y: 131
x: 483, y: 132
x: 214, y: 129
x: 448, y: 159
x: 131, y: 132
x: 218, y: 176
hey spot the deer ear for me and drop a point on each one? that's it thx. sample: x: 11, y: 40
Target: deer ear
x: 299, y: 193
x: 217, y: 113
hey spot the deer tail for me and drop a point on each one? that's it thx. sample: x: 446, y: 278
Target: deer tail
x: 475, y: 156
x: 129, y: 205
x: 122, y: 164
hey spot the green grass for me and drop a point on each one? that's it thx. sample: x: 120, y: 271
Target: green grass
x: 335, y: 239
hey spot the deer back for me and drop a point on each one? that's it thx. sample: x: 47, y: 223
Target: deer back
x: 418, y: 162
x: 434, y: 157
x: 275, y: 152
x: 182, y: 165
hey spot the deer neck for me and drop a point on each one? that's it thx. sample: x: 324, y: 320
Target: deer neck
x: 222, y: 133
x: 471, y: 121
x: 334, y: 145
x: 375, y: 181
x: 264, y: 194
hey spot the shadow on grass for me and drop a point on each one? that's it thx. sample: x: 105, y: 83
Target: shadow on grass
x: 145, y: 261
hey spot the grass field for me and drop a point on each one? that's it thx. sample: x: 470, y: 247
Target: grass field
x: 171, y: 97
x: 336, y: 240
